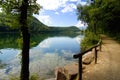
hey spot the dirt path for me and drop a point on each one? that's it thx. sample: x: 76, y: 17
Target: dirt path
x: 108, y: 65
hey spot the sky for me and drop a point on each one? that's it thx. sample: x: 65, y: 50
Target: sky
x: 59, y: 13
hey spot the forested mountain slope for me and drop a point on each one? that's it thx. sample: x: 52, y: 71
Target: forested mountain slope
x: 37, y: 26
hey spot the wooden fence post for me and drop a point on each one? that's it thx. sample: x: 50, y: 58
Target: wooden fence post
x: 80, y: 67
x: 100, y: 45
x: 95, y: 55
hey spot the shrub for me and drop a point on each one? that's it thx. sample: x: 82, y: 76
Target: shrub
x: 89, y: 40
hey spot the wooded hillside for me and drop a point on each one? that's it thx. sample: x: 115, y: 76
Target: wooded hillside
x: 37, y: 26
x: 102, y: 16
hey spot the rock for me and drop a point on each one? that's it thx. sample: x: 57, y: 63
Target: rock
x: 61, y: 76
x: 68, y: 72
x: 58, y: 71
x: 88, y: 58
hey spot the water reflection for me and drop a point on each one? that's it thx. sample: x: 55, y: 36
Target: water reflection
x: 59, y: 43
x: 44, y: 57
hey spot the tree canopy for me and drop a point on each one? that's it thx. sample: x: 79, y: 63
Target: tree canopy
x: 10, y: 11
x: 102, y: 16
x: 14, y: 6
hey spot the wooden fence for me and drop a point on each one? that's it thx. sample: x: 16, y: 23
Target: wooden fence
x: 79, y: 55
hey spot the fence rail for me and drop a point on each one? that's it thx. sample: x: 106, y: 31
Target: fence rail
x: 79, y: 55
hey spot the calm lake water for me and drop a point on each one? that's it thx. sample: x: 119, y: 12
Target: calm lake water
x: 47, y: 52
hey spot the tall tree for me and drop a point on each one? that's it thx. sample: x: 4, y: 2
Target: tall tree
x: 21, y: 9
x: 26, y: 41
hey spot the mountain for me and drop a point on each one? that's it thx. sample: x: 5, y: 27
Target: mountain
x: 37, y: 26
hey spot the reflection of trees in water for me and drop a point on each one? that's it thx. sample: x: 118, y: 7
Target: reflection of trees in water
x: 10, y: 40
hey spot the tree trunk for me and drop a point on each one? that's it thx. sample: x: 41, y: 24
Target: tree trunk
x: 26, y: 42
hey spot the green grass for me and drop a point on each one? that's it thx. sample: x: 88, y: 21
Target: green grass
x: 32, y: 77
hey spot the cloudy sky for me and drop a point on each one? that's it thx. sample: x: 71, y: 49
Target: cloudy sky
x: 59, y: 12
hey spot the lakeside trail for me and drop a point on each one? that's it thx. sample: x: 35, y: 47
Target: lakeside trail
x: 108, y: 65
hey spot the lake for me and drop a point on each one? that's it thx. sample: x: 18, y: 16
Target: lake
x: 47, y: 52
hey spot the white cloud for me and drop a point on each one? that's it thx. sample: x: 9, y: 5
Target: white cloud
x: 45, y: 44
x: 57, y: 13
x: 81, y: 24
x: 69, y: 8
x: 79, y: 39
x: 82, y: 2
x: 73, y: 0
x: 52, y: 4
x: 46, y: 19
x: 56, y: 4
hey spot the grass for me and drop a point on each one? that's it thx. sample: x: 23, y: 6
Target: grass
x: 32, y: 77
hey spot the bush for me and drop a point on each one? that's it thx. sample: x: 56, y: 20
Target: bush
x: 89, y: 40
x: 34, y: 77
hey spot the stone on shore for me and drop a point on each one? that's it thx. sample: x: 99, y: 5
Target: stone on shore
x: 68, y: 72
x: 88, y: 57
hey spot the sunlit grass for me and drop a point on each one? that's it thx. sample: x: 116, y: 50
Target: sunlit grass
x: 32, y: 77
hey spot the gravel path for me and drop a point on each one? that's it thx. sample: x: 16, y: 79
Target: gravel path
x: 108, y: 65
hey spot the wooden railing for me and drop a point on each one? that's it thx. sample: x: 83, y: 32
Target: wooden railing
x: 79, y: 55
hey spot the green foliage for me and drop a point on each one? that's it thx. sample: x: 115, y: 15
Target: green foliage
x: 19, y: 42
x: 102, y: 17
x: 10, y: 20
x: 35, y: 25
x: 14, y: 6
x: 64, y: 29
x: 89, y: 40
x: 32, y: 77
x: 8, y: 40
x: 14, y: 78
x: 10, y: 15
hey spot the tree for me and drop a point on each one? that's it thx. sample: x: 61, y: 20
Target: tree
x: 21, y: 9
x: 101, y: 16
x: 11, y: 11
x: 26, y: 41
